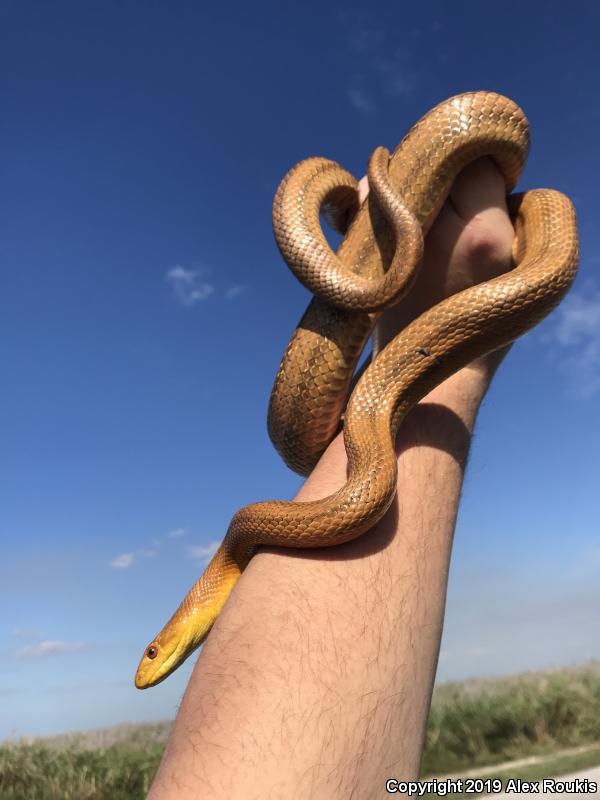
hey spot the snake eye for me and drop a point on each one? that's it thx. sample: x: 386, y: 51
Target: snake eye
x: 152, y: 651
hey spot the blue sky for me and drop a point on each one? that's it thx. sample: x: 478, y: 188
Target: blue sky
x: 144, y: 309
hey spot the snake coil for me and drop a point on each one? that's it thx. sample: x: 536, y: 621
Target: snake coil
x: 373, y: 268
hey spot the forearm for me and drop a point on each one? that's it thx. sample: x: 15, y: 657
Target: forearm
x: 317, y: 677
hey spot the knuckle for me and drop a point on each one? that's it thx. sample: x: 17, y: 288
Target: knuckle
x: 489, y: 240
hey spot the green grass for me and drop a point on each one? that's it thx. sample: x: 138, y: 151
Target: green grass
x: 553, y: 767
x: 476, y: 723
x: 41, y: 772
x: 472, y: 724
x: 549, y: 767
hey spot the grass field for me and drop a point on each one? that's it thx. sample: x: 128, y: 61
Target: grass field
x: 481, y: 722
x: 550, y: 766
x: 472, y: 724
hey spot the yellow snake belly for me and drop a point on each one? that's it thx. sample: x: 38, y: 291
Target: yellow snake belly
x: 373, y: 268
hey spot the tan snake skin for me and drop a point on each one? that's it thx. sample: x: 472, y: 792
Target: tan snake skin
x: 373, y: 268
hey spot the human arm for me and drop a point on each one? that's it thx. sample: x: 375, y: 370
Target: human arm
x: 317, y: 677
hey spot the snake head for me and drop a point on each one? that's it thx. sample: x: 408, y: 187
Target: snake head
x: 162, y: 656
x: 184, y: 632
x: 190, y: 624
x: 150, y: 670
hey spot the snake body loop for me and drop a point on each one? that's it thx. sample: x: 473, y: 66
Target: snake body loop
x: 312, y: 383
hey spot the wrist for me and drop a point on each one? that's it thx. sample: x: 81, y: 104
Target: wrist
x: 464, y: 391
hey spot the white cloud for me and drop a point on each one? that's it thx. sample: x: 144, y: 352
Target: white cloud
x: 386, y: 70
x: 50, y: 647
x: 359, y: 100
x: 397, y: 74
x: 579, y: 317
x: 123, y: 561
x: 203, y: 552
x: 233, y: 291
x: 364, y: 40
x: 27, y: 634
x: 126, y: 560
x: 188, y: 285
x: 578, y: 331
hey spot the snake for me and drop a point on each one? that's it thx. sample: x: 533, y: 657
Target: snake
x: 372, y: 269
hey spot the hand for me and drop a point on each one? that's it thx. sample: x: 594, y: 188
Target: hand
x: 469, y: 242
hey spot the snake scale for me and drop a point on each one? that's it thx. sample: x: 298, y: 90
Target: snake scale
x: 372, y: 269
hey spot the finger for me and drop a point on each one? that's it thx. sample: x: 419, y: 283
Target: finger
x: 479, y: 187
x: 363, y: 189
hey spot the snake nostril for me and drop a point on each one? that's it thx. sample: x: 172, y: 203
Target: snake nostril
x: 152, y: 651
